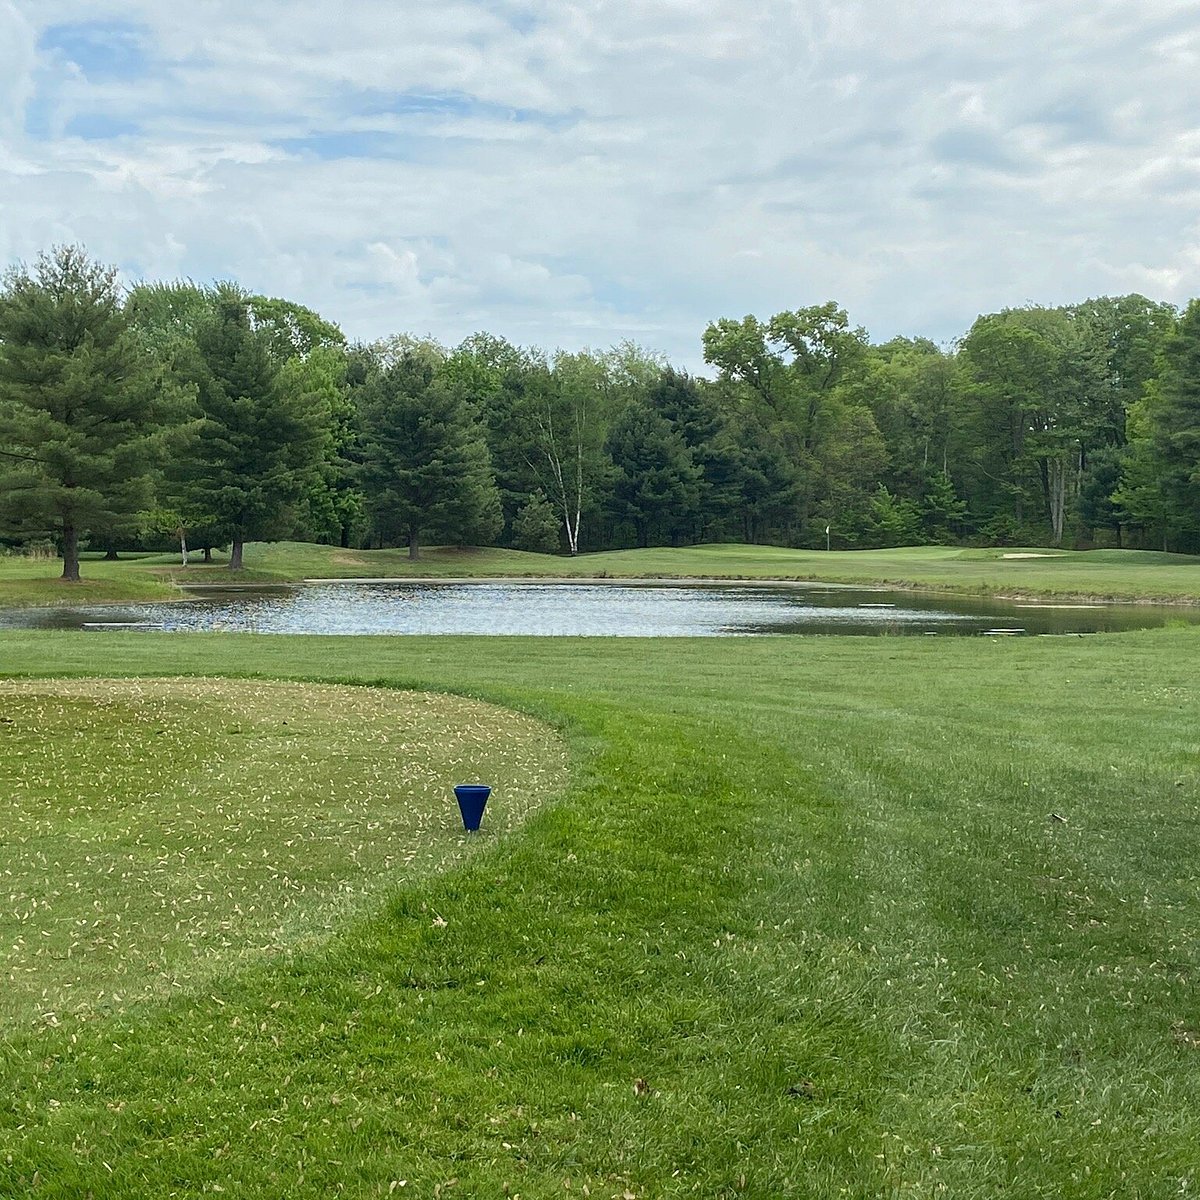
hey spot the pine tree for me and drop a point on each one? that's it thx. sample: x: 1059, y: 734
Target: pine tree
x: 536, y: 525
x: 657, y: 482
x: 695, y: 414
x: 942, y: 512
x: 258, y: 442
x: 426, y: 468
x: 77, y: 404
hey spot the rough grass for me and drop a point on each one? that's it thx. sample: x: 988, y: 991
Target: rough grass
x: 1137, y: 575
x: 157, y: 832
x: 817, y: 917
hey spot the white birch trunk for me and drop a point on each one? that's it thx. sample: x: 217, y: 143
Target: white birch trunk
x: 570, y: 505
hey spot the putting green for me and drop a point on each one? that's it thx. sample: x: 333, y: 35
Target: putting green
x: 157, y: 831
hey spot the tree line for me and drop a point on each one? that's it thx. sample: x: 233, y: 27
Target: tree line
x: 208, y: 415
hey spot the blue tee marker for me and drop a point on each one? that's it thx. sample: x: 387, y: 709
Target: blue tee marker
x: 472, y: 799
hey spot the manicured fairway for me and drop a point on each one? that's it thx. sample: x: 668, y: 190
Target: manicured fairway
x: 815, y: 917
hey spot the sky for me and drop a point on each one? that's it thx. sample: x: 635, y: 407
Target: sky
x: 568, y: 174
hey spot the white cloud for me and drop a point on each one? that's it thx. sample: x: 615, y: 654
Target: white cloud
x: 563, y: 173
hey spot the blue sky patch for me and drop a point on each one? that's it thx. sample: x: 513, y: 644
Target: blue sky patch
x: 1077, y: 118
x: 41, y: 119
x: 522, y: 18
x: 100, y: 49
x: 363, y: 143
x: 96, y: 127
x: 972, y: 148
x: 417, y: 103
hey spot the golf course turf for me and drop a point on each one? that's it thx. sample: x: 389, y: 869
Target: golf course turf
x: 161, y: 831
x: 812, y: 917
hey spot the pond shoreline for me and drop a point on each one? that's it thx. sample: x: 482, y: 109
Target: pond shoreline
x: 180, y: 589
x: 884, y: 584
x: 592, y: 607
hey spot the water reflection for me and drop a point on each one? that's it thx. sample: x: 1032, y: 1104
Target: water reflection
x: 595, y: 610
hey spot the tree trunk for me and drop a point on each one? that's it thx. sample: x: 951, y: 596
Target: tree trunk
x: 1058, y: 498
x: 414, y: 548
x: 70, y: 572
x: 110, y: 555
x: 183, y: 550
x: 208, y: 554
x: 235, y: 554
x: 572, y: 530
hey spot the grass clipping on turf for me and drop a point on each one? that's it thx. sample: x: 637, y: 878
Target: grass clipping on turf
x: 158, y: 831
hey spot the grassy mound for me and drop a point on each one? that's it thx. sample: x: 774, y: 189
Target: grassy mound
x: 158, y: 830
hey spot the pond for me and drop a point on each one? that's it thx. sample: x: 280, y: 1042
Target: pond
x: 596, y: 609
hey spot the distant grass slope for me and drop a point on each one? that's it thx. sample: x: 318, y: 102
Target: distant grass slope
x: 1108, y: 574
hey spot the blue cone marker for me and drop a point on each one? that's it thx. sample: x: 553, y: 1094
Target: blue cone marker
x: 472, y: 800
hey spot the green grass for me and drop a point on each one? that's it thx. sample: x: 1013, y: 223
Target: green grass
x: 163, y: 831
x: 37, y: 581
x: 1138, y: 575
x: 803, y: 925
